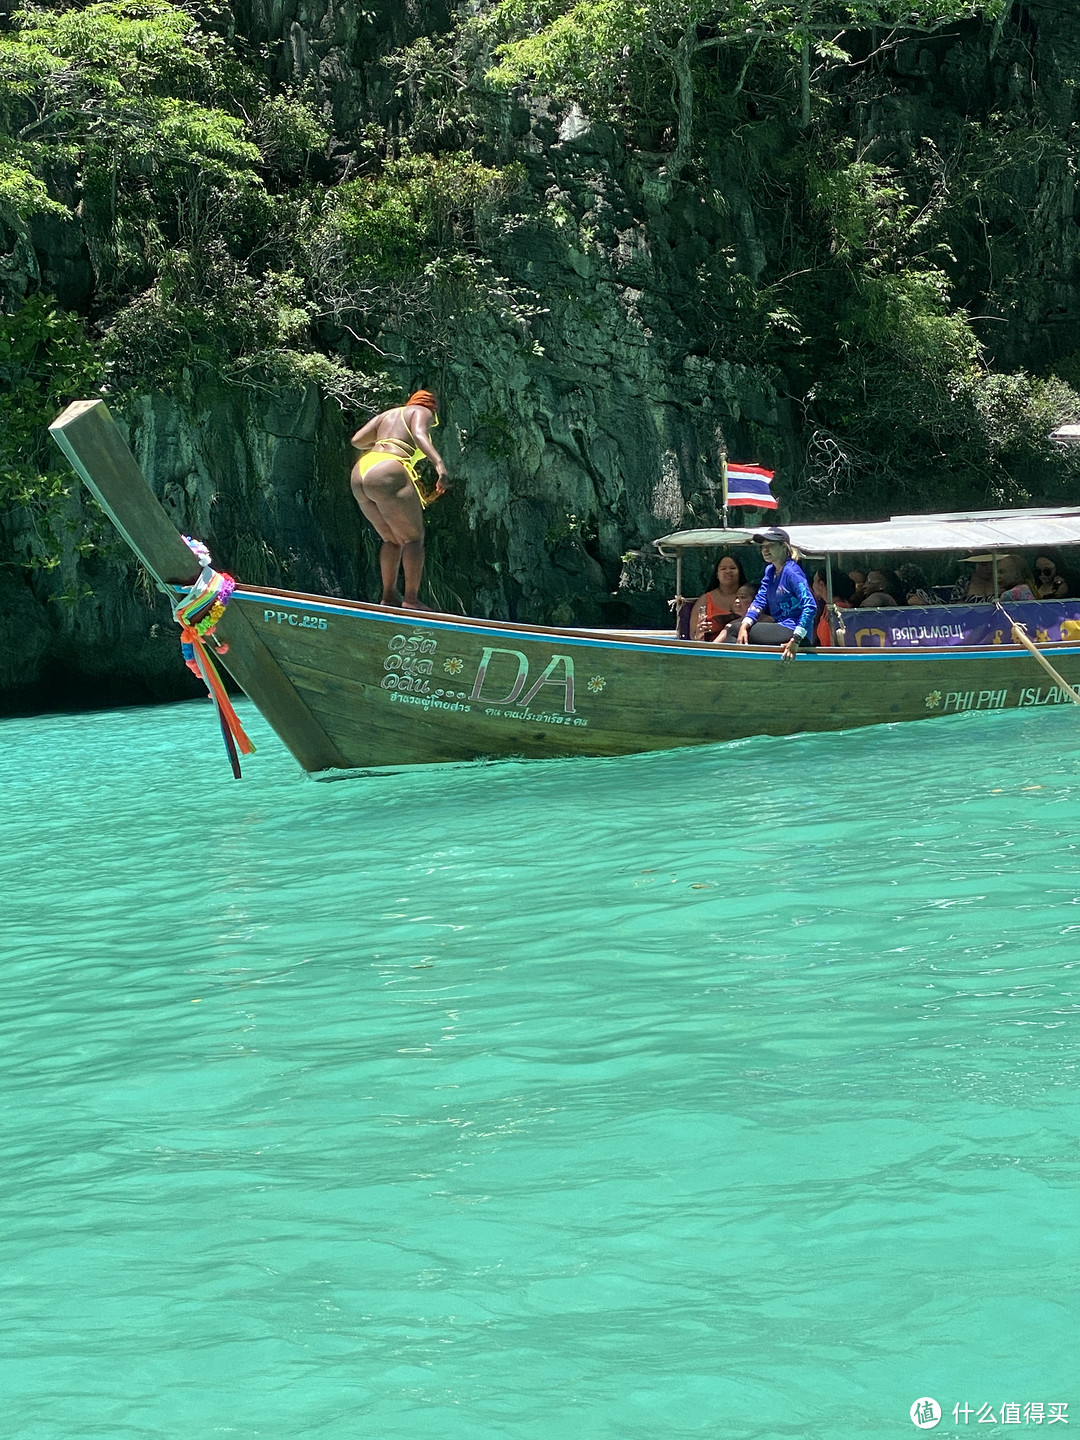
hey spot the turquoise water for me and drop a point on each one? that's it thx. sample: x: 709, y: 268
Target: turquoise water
x: 730, y: 1092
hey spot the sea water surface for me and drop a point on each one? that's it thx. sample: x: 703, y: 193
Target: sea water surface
x: 725, y: 1092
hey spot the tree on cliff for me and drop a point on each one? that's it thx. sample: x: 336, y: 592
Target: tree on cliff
x: 211, y: 244
x: 136, y: 140
x: 838, y: 277
x: 585, y: 49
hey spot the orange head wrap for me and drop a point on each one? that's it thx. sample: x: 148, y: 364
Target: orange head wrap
x: 422, y: 397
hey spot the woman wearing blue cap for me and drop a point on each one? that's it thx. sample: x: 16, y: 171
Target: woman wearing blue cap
x: 784, y: 597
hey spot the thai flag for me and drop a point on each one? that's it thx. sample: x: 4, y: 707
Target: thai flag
x: 749, y: 485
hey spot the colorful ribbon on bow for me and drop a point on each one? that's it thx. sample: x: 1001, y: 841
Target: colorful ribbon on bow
x: 197, y: 614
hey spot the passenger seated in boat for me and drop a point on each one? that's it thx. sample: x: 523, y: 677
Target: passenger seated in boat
x: 783, y: 595
x: 743, y: 596
x: 916, y: 588
x: 843, y: 589
x: 1015, y: 580
x: 976, y: 586
x: 1049, y: 585
x: 858, y: 579
x: 713, y: 611
x: 883, y: 589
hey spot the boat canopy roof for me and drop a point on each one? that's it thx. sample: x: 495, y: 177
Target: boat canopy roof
x: 974, y: 530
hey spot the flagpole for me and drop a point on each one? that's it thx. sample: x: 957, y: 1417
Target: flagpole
x: 723, y: 481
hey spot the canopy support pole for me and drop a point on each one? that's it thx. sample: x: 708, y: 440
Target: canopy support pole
x: 838, y: 628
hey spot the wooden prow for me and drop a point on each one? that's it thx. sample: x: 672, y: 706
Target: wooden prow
x: 89, y: 437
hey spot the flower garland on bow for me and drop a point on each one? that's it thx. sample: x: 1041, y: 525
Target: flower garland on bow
x: 197, y: 614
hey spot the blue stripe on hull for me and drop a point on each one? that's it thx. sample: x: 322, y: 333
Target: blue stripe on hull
x: 826, y: 655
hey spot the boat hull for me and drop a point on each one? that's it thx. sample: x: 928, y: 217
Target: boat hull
x: 386, y: 688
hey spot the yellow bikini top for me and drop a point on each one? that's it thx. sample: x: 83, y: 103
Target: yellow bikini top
x: 417, y: 453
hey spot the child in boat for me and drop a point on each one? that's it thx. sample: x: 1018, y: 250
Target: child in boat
x: 1015, y: 581
x: 741, y: 603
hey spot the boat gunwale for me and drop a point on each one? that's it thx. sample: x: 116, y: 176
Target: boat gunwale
x: 648, y: 641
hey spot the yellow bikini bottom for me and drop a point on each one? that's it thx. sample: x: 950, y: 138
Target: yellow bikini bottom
x: 371, y: 458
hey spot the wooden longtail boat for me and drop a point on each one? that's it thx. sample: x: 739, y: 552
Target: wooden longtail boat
x: 353, y: 687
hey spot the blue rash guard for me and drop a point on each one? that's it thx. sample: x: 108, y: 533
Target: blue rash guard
x: 786, y: 598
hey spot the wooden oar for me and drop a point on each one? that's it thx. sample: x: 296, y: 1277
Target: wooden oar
x: 1063, y: 685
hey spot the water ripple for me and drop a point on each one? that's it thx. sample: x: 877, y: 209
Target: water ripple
x: 730, y: 1091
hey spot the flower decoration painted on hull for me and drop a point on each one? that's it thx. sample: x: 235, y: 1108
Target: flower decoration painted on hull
x: 933, y: 700
x: 454, y: 665
x: 597, y: 683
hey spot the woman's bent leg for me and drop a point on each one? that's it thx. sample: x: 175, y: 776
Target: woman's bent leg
x: 412, y: 560
x: 389, y: 565
x: 768, y: 632
x: 762, y: 632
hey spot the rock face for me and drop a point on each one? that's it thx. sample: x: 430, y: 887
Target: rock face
x: 573, y: 439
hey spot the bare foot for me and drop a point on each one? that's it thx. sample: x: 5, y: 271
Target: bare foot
x: 413, y: 605
x: 393, y: 599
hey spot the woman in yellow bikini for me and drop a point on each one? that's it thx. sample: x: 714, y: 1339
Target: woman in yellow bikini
x: 389, y: 492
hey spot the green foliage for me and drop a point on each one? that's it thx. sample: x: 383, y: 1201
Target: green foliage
x: 605, y: 53
x: 23, y: 195
x: 200, y: 314
x: 416, y: 209
x: 576, y: 528
x: 570, y: 49
x: 46, y: 361
x: 186, y: 166
x: 867, y: 212
x: 120, y: 47
x: 111, y: 73
x: 404, y: 249
x: 854, y: 316
x: 151, y: 110
x: 576, y: 46
x: 908, y: 399
x: 288, y: 134
x: 892, y: 297
x: 439, y: 78
x: 908, y: 316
